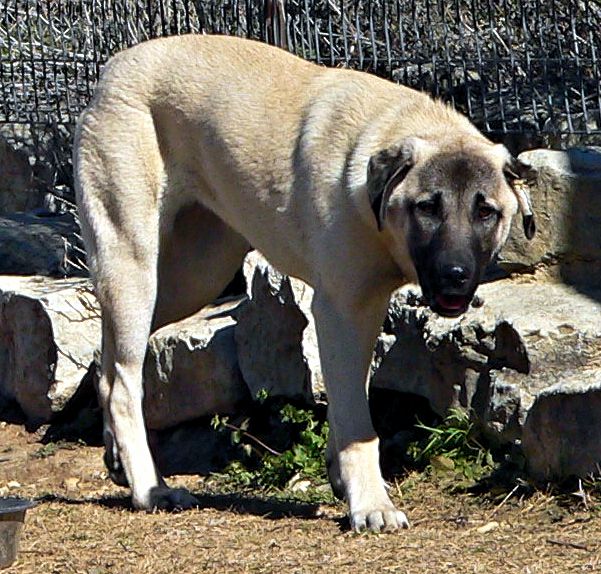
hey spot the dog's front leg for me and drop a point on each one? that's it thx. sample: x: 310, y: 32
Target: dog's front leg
x: 347, y: 331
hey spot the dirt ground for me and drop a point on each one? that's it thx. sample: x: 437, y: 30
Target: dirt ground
x: 84, y: 524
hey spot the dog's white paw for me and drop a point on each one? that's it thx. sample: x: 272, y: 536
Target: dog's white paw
x: 378, y: 520
x: 168, y: 499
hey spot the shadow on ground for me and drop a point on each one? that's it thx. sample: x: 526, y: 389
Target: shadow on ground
x: 270, y: 508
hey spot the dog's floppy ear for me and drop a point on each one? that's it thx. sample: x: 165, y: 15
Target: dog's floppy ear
x: 385, y: 171
x: 517, y: 173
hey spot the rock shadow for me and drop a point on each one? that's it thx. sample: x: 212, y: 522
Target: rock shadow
x: 582, y: 267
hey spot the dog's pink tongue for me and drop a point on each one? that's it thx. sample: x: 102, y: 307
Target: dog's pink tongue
x: 451, y: 302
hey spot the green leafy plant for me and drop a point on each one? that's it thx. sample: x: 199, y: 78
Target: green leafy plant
x: 269, y: 468
x: 452, y: 446
x: 305, y: 456
x: 46, y: 450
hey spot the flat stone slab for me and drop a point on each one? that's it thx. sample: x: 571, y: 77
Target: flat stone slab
x: 32, y: 245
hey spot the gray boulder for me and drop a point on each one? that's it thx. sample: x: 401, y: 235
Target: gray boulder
x: 275, y: 335
x: 49, y: 330
x: 50, y: 335
x: 192, y: 369
x: 517, y: 362
x: 567, y: 203
x: 562, y: 433
x: 35, y: 245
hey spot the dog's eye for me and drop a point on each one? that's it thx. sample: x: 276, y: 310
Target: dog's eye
x: 486, y: 212
x: 427, y: 206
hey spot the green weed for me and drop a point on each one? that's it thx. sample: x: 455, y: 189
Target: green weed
x: 46, y: 450
x: 452, y: 447
x: 264, y: 466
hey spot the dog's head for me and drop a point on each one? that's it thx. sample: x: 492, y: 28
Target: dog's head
x: 447, y: 208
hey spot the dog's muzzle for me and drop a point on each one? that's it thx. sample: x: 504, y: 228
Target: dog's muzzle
x: 452, y: 291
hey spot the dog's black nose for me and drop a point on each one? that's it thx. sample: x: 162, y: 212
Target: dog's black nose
x: 455, y: 276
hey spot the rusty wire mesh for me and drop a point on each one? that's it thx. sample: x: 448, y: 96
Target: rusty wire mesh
x: 514, y: 66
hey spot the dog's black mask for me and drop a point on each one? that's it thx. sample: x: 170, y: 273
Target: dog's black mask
x: 448, y: 274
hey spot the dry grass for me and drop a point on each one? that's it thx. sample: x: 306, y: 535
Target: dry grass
x: 84, y: 525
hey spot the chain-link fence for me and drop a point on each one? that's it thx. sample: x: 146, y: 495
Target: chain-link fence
x: 511, y: 65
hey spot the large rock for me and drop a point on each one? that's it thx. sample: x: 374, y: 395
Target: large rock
x: 276, y: 338
x: 192, y: 369
x: 532, y: 350
x: 34, y: 245
x: 562, y: 432
x: 49, y: 330
x: 566, y: 197
x: 526, y: 363
x: 50, y: 335
x: 448, y: 361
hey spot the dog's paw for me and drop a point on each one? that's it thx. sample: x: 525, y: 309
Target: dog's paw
x: 378, y: 520
x: 170, y: 499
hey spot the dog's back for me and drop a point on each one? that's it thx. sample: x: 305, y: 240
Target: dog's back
x: 233, y: 119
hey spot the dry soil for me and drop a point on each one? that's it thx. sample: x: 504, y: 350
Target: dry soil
x: 84, y: 524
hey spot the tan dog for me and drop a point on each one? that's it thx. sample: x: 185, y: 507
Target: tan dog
x: 196, y: 147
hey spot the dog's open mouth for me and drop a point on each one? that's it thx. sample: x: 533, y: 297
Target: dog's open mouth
x: 451, y: 305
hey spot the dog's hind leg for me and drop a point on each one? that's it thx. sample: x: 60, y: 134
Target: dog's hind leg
x: 119, y: 176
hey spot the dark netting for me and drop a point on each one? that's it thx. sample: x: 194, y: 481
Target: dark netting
x: 514, y: 66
